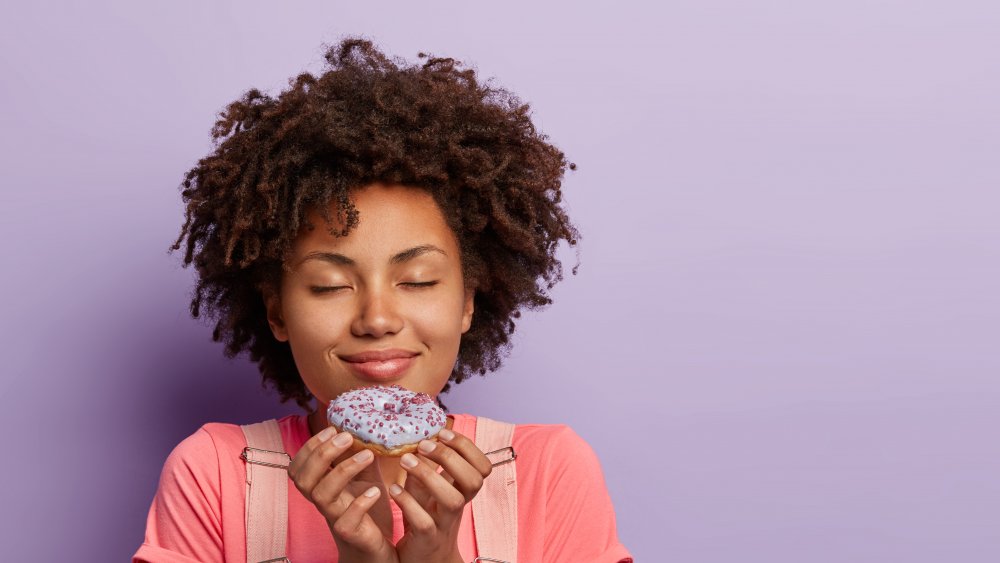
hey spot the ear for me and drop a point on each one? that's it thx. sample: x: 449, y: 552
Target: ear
x: 467, y: 309
x: 272, y: 302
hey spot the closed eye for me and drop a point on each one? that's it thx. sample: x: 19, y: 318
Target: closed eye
x: 335, y: 288
x: 420, y: 284
x: 328, y: 289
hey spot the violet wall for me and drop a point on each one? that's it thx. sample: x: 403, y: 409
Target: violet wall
x: 783, y: 338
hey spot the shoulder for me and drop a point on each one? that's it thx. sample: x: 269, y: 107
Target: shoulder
x: 538, y: 433
x: 208, y: 439
x: 222, y: 440
x: 554, y: 452
x: 189, y: 496
x: 540, y: 441
x: 197, y: 457
x: 552, y: 442
x: 199, y: 474
x: 186, y: 521
x: 214, y: 451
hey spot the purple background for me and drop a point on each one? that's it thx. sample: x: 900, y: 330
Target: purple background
x: 787, y: 304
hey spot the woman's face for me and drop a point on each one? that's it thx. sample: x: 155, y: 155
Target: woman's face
x: 385, y: 304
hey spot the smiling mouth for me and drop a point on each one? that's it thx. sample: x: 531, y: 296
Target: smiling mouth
x: 381, y: 370
x: 378, y: 355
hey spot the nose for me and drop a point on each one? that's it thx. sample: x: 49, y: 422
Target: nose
x: 376, y: 315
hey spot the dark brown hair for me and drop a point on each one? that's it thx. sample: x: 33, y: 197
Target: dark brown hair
x: 371, y: 119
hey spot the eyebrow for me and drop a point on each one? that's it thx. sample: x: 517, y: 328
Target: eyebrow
x: 399, y: 258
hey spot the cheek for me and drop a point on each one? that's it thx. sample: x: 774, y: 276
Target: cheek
x: 441, y: 320
x: 315, y: 324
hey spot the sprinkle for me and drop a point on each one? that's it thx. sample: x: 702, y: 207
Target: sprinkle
x: 386, y: 415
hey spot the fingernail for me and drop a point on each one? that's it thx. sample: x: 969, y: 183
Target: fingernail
x: 343, y: 439
x: 409, y: 460
x: 327, y: 433
x: 446, y: 435
x: 426, y: 446
x: 395, y: 489
x: 372, y: 491
x: 363, y: 456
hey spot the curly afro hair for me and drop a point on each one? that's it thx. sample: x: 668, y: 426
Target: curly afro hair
x: 371, y: 119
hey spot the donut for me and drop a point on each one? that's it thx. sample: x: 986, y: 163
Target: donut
x: 389, y: 420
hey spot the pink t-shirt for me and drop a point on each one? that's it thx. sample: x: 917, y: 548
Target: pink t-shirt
x: 197, y: 515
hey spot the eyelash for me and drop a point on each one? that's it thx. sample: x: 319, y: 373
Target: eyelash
x: 411, y: 284
x: 325, y: 289
x: 420, y: 284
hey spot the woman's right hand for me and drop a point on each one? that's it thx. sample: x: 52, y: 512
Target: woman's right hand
x: 341, y: 493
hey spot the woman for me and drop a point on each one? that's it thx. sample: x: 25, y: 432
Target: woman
x: 380, y: 224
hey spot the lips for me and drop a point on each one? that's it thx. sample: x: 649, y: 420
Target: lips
x: 378, y: 355
x: 380, y: 365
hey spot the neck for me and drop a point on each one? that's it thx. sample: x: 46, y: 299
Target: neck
x: 317, y: 420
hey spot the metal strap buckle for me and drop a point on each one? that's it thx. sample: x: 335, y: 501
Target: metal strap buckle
x: 246, y: 456
x: 513, y: 456
x: 509, y: 450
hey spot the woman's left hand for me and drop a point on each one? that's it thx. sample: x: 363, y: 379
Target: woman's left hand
x: 432, y: 502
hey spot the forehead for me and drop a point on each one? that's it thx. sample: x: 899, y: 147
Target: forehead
x: 391, y: 218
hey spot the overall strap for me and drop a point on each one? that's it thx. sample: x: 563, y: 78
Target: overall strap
x: 494, y: 508
x: 267, y: 492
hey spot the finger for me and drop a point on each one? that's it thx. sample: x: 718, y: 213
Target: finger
x: 466, y: 478
x: 306, y: 450
x: 355, y: 527
x: 415, y: 517
x: 419, y: 491
x: 468, y: 450
x: 448, y: 497
x: 370, y: 473
x: 317, y: 463
x: 449, y: 478
x: 329, y: 494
